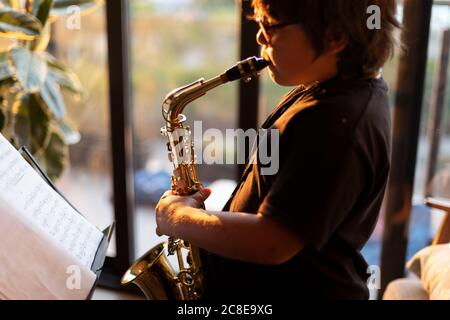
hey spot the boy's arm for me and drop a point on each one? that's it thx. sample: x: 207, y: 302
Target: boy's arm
x: 242, y: 236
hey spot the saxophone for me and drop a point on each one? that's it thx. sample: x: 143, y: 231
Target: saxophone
x: 152, y: 272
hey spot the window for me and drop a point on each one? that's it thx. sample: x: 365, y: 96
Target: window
x: 175, y: 43
x: 87, y: 181
x: 437, y: 91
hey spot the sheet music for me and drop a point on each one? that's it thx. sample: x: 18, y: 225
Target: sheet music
x: 27, y: 192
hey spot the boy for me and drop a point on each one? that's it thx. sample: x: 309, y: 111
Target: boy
x: 301, y: 230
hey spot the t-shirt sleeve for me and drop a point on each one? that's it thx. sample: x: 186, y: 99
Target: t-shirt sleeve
x: 320, y: 178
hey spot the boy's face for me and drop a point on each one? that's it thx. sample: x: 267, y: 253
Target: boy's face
x: 293, y: 57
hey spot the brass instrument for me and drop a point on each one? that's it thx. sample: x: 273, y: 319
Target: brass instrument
x: 152, y: 273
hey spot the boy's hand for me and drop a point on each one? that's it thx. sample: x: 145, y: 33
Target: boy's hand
x: 167, y: 209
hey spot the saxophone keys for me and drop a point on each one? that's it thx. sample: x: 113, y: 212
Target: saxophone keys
x: 172, y: 246
x: 186, y: 278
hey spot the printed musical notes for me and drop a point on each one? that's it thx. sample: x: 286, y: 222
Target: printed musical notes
x: 32, y: 197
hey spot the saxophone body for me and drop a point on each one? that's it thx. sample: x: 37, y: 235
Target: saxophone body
x: 152, y: 272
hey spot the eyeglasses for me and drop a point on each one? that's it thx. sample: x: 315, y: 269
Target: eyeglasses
x: 268, y: 29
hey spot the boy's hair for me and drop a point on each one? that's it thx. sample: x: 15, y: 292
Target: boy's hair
x: 367, y: 50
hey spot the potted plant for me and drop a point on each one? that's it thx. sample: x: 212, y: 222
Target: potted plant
x: 32, y: 108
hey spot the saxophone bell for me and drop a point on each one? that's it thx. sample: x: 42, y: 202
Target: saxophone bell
x: 154, y: 275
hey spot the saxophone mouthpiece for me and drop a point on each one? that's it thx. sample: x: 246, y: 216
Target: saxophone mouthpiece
x: 246, y: 69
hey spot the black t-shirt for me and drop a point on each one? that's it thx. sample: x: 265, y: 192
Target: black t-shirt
x: 334, y: 160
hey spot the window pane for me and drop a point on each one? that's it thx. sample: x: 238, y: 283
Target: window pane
x: 175, y: 43
x: 424, y: 225
x: 440, y: 23
x: 87, y: 181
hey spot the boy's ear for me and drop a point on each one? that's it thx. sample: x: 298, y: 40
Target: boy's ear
x: 336, y: 42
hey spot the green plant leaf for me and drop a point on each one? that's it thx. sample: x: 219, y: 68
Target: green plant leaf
x: 15, y: 4
x: 31, y: 124
x: 6, y: 85
x: 18, y: 25
x: 55, y: 156
x: 42, y: 10
x: 66, y: 79
x: 41, y: 42
x: 71, y: 135
x: 31, y: 68
x: 6, y: 70
x: 53, y: 99
x: 54, y: 63
x: 63, y: 7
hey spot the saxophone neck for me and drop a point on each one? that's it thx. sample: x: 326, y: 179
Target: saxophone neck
x: 177, y: 100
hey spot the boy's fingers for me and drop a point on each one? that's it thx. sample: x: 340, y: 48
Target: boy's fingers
x: 166, y: 194
x: 202, y: 195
